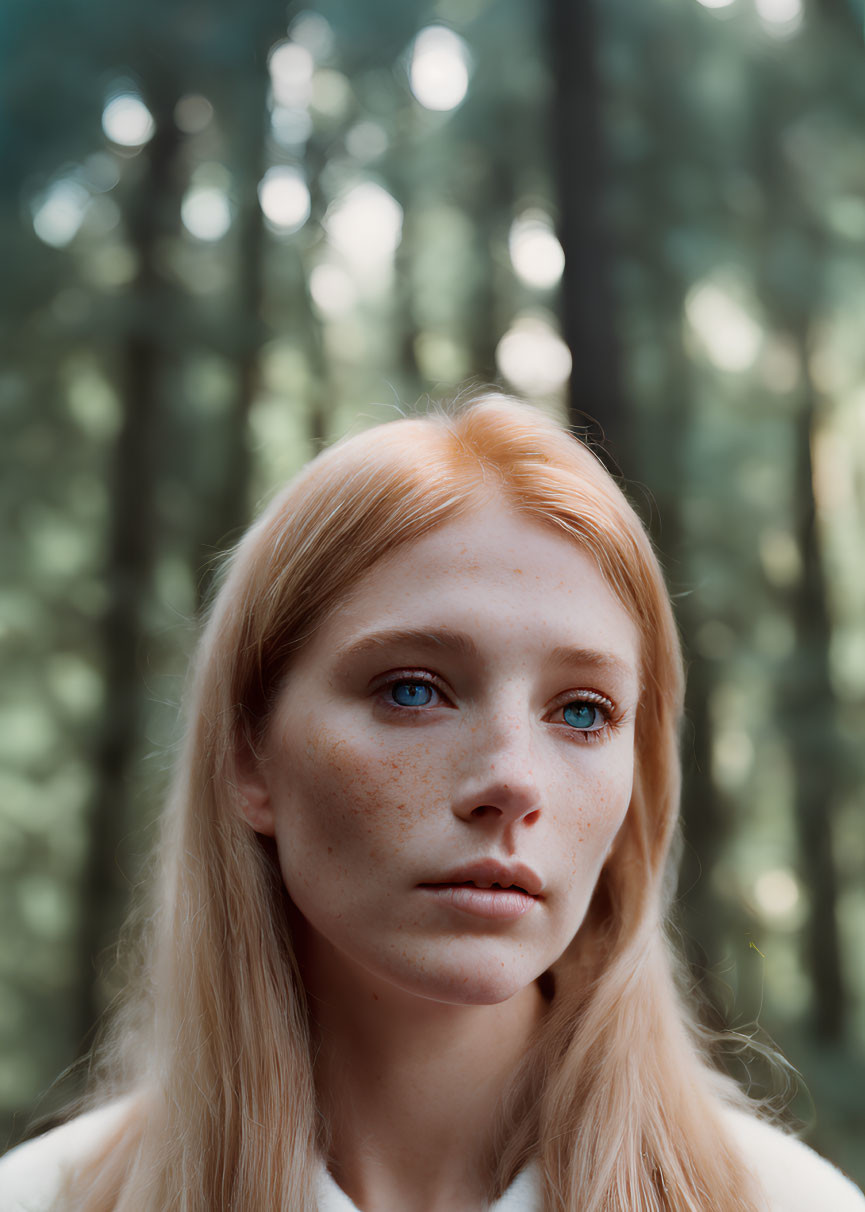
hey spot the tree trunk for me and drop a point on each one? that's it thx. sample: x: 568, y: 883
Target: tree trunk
x: 809, y: 713
x: 224, y: 509
x: 129, y: 566
x: 807, y: 708
x: 588, y: 306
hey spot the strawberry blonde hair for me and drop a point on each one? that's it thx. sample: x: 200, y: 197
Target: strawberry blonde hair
x: 616, y: 1097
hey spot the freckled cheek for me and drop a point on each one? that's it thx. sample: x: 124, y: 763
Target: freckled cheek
x: 354, y: 792
x: 595, y: 814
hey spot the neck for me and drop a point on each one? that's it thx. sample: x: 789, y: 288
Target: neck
x: 411, y: 1088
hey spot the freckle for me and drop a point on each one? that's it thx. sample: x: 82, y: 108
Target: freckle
x: 330, y: 850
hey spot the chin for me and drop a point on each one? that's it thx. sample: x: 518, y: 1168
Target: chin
x: 487, y: 984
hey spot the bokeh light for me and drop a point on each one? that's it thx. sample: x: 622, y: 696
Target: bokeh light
x: 291, y: 67
x: 291, y: 126
x: 206, y: 213
x: 59, y: 212
x: 730, y: 336
x: 332, y: 290
x: 314, y: 32
x: 284, y: 198
x: 536, y: 254
x: 732, y: 758
x: 193, y: 114
x: 365, y: 225
x: 366, y: 141
x: 331, y: 94
x: 101, y: 172
x: 533, y: 357
x: 127, y: 121
x: 776, y: 892
x: 439, y: 68
x: 780, y: 17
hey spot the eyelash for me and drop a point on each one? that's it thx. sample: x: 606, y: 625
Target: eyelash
x: 583, y: 735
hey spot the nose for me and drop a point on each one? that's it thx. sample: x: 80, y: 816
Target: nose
x: 500, y: 789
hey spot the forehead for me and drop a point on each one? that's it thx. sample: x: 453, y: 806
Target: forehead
x: 496, y: 575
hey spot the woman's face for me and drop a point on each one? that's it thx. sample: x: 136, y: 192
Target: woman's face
x: 463, y: 719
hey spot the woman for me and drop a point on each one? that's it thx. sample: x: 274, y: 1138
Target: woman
x: 408, y: 950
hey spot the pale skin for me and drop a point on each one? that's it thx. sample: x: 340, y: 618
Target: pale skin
x: 376, y: 788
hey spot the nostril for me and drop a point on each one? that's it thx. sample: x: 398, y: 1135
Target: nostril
x: 484, y: 810
x: 532, y: 818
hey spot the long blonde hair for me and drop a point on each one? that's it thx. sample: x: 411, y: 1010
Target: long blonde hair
x: 616, y: 1098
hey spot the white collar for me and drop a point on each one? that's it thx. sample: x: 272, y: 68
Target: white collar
x: 523, y: 1195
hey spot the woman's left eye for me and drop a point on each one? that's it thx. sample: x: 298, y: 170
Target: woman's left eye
x: 409, y: 693
x: 586, y: 717
x: 583, y: 715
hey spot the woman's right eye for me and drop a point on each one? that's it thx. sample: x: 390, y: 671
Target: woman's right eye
x: 411, y: 694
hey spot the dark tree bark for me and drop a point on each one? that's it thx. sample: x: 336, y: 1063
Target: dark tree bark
x: 658, y: 453
x: 588, y: 306
x: 224, y: 508
x: 496, y: 198
x: 704, y: 814
x: 807, y: 708
x: 809, y: 713
x: 129, y: 561
x: 405, y: 313
x: 320, y: 399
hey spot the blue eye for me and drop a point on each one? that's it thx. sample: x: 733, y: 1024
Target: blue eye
x: 582, y: 715
x: 411, y: 694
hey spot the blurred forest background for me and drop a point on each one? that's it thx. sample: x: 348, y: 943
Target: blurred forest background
x: 231, y: 232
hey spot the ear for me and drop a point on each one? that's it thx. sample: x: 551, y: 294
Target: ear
x: 253, y: 790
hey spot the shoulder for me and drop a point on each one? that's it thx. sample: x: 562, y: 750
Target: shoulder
x: 32, y: 1175
x: 794, y: 1178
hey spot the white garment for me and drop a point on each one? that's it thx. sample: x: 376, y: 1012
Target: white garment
x: 794, y: 1178
x: 31, y: 1175
x: 523, y: 1195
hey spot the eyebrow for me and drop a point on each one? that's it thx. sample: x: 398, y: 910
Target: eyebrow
x: 604, y: 662
x: 448, y: 640
x: 418, y: 637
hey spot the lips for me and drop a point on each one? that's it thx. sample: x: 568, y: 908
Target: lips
x: 491, y: 892
x: 493, y: 875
